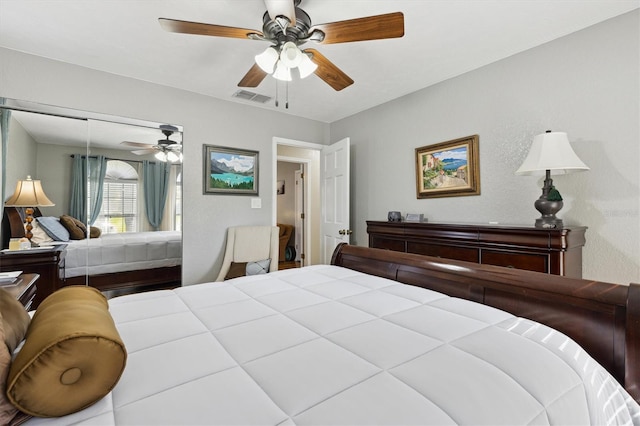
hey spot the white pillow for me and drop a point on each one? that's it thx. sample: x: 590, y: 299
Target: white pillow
x: 39, y: 235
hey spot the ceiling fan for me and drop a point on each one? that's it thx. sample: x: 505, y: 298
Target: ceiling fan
x: 165, y: 149
x: 288, y: 27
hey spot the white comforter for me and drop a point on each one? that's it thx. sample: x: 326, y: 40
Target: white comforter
x: 127, y: 251
x: 327, y: 345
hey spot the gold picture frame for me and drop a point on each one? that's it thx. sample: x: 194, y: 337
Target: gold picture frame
x: 448, y: 169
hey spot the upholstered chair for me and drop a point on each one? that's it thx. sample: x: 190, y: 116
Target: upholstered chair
x: 250, y: 244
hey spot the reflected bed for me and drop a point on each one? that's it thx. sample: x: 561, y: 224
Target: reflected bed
x: 126, y: 262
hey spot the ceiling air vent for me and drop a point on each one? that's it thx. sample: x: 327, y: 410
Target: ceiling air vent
x: 250, y: 96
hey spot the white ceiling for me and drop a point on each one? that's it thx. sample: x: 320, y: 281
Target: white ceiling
x: 443, y: 39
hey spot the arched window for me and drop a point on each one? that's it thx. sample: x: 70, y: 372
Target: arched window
x: 119, y: 209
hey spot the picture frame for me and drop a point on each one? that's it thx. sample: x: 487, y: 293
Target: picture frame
x: 448, y: 169
x: 280, y: 187
x: 230, y: 171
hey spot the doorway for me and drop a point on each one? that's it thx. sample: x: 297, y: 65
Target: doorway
x: 290, y: 217
x: 305, y: 158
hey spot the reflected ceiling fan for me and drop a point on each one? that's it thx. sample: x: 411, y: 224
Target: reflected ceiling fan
x: 288, y: 27
x: 165, y: 149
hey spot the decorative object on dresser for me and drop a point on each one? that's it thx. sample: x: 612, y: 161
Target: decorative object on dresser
x: 29, y: 194
x: 394, y: 217
x: 448, y: 169
x: 414, y: 217
x: 550, y: 153
x: 556, y: 251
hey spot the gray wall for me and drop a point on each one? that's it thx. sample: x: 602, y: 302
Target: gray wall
x: 585, y: 84
x: 23, y: 157
x: 205, y: 120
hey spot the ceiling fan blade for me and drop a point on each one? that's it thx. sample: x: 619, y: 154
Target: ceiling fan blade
x: 390, y: 25
x: 186, y: 27
x: 137, y: 144
x: 281, y: 8
x: 328, y: 72
x: 253, y: 78
x: 144, y: 151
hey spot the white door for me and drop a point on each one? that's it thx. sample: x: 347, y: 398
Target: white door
x: 334, y: 173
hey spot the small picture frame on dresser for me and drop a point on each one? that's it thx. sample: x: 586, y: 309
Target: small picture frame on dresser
x: 414, y: 217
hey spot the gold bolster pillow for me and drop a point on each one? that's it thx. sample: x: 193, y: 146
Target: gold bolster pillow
x: 72, y: 355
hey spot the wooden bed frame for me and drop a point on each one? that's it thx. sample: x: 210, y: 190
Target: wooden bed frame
x: 603, y: 318
x: 116, y: 283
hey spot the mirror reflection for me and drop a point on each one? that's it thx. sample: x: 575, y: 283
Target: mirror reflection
x: 116, y: 185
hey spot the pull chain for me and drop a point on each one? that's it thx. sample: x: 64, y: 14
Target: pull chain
x: 286, y: 101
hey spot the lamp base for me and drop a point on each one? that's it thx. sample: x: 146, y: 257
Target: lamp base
x: 548, y: 208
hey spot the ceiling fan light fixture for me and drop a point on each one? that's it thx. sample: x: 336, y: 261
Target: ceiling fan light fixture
x: 282, y: 72
x: 307, y: 66
x: 290, y: 55
x: 161, y: 156
x: 172, y: 156
x: 267, y: 59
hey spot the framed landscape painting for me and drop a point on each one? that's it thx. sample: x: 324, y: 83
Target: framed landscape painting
x: 230, y: 171
x: 448, y: 169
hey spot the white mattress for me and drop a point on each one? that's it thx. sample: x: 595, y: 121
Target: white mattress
x: 327, y: 345
x: 127, y: 251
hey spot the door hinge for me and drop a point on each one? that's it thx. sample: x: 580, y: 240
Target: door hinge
x: 301, y: 175
x: 302, y: 256
x: 301, y: 215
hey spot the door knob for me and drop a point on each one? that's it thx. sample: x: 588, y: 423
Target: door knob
x: 345, y: 232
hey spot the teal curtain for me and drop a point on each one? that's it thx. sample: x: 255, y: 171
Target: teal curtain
x: 156, y: 187
x: 87, y: 181
x: 5, y: 114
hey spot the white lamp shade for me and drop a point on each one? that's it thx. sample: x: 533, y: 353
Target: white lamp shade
x: 551, y: 151
x: 29, y: 193
x: 172, y: 156
x: 282, y: 72
x: 307, y: 66
x: 290, y: 55
x: 161, y: 156
x: 267, y: 59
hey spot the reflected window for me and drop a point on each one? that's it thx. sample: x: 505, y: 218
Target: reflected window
x: 178, y: 211
x: 119, y: 210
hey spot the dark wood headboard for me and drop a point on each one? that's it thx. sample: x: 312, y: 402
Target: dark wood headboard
x: 603, y: 318
x: 13, y: 223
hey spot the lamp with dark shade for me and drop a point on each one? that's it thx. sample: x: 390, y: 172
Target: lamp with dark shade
x: 550, y: 153
x: 29, y: 194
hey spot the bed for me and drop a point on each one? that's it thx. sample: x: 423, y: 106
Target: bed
x: 126, y: 262
x: 377, y: 337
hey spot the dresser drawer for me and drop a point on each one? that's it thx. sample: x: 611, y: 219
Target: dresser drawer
x: 467, y: 254
x: 387, y: 243
x: 527, y: 261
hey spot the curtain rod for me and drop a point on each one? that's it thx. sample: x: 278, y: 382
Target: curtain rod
x: 119, y: 159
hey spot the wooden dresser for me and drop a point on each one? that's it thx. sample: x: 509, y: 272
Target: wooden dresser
x: 552, y: 251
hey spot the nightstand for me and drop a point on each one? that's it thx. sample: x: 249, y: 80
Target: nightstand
x: 24, y: 289
x: 47, y: 263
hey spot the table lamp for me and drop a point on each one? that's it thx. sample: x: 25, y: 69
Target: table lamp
x: 550, y: 153
x: 29, y: 194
